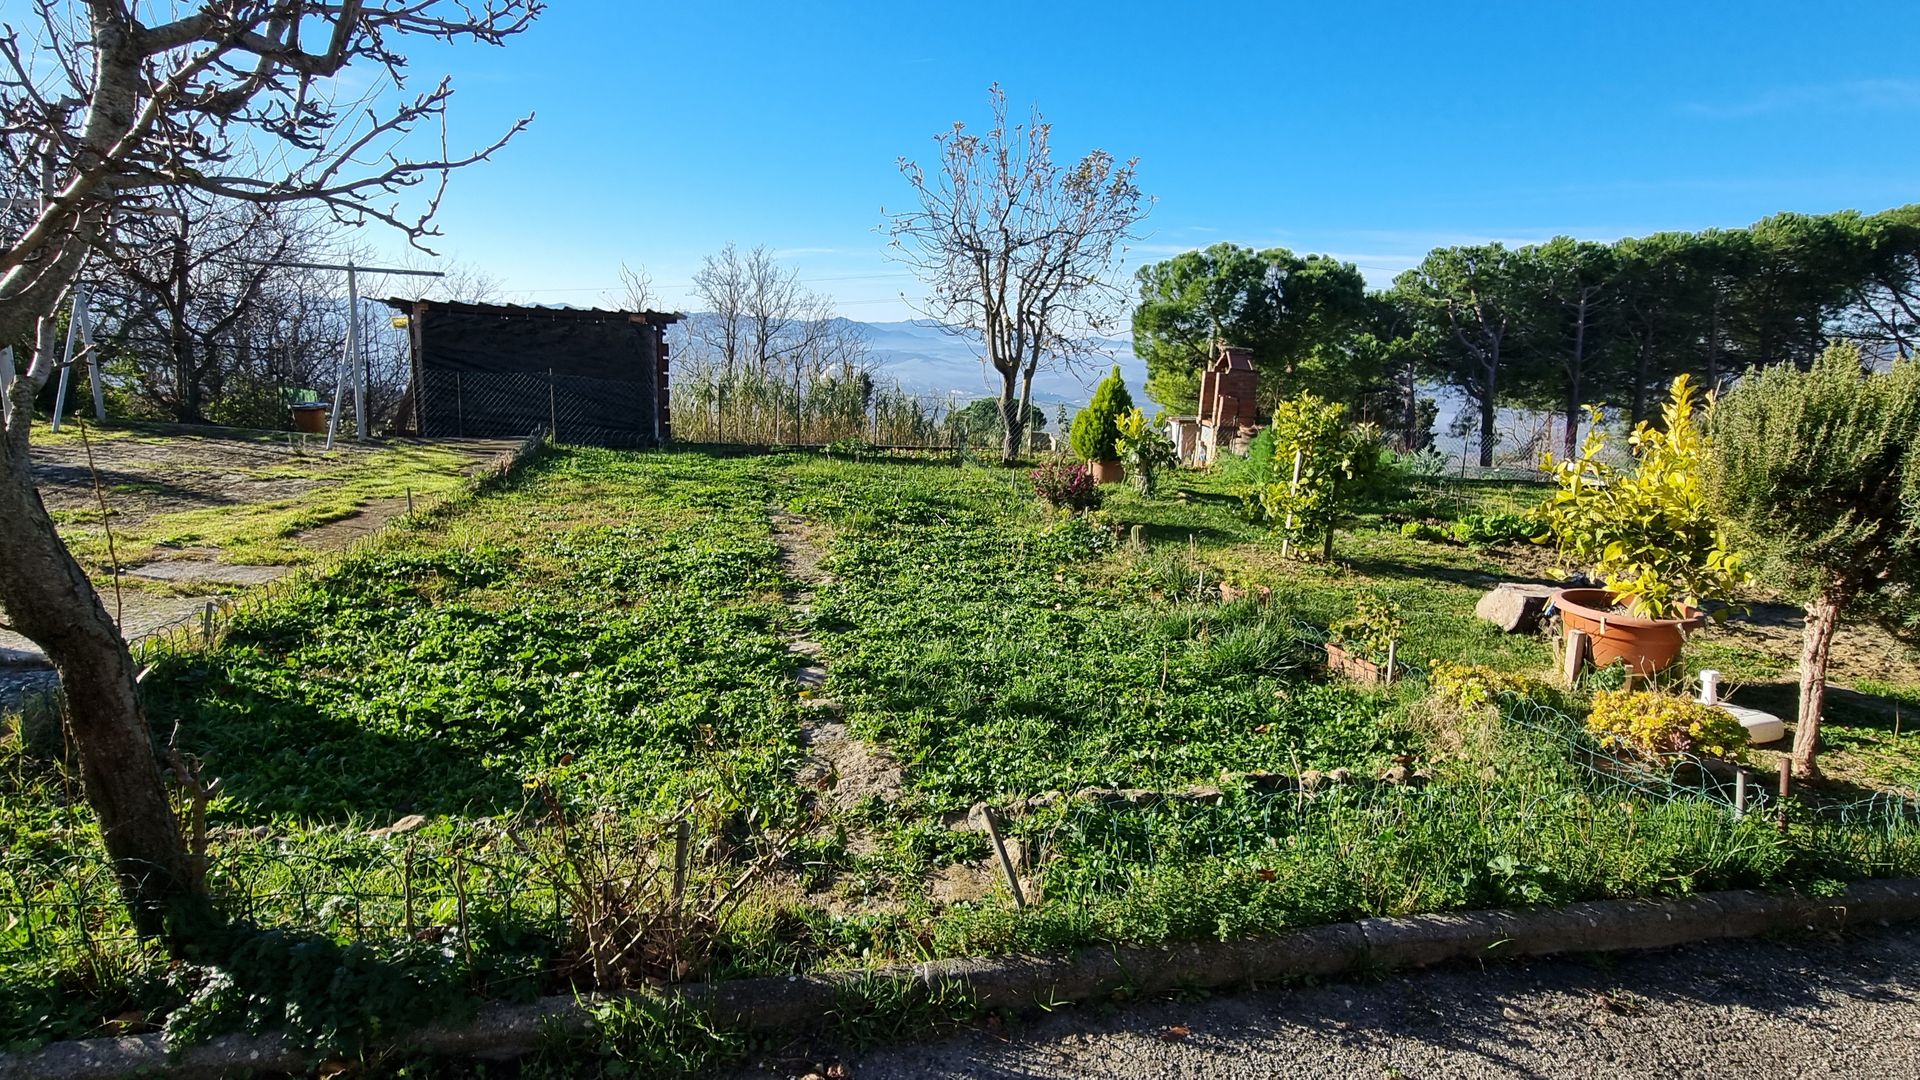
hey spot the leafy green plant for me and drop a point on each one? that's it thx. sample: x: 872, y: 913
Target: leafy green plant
x: 1471, y: 688
x: 1340, y: 468
x: 1650, y: 533
x: 1145, y: 450
x: 1096, y: 428
x: 1370, y: 631
x: 1490, y: 528
x: 1426, y: 532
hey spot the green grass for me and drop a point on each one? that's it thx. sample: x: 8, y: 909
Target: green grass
x: 611, y: 628
x: 266, y: 532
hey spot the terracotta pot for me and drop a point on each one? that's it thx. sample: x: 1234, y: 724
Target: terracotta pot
x: 1354, y: 666
x: 1108, y: 471
x: 1644, y: 645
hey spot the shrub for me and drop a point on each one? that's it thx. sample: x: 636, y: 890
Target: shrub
x: 1654, y: 724
x: 1472, y: 688
x: 1144, y: 450
x: 1096, y: 428
x: 1340, y: 468
x: 1065, y: 484
x: 1650, y: 534
x: 1819, y: 472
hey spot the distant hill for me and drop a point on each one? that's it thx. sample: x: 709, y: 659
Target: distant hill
x: 927, y: 359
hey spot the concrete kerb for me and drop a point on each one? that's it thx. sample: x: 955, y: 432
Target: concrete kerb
x: 798, y: 1003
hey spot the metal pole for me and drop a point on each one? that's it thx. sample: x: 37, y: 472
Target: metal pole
x: 66, y: 365
x: 333, y: 414
x: 93, y: 363
x: 354, y: 356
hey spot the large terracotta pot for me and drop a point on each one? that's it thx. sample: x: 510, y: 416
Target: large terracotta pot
x: 1644, y: 645
x: 1108, y: 471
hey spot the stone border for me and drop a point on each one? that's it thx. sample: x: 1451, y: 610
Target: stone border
x: 799, y: 1002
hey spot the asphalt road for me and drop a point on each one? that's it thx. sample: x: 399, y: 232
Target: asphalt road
x: 1819, y: 1006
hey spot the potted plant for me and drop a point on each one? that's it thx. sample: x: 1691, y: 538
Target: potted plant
x: 1096, y: 429
x: 1648, y: 533
x: 1362, y: 645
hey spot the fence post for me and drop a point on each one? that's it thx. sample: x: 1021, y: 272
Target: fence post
x: 459, y: 409
x: 553, y: 409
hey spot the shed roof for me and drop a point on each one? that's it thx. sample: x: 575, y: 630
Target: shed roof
x: 522, y: 311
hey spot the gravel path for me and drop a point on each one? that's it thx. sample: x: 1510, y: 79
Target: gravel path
x: 1818, y: 1007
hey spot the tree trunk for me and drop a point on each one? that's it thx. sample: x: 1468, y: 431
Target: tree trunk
x: 1823, y: 617
x: 1643, y: 371
x: 1487, y: 423
x: 48, y: 598
x: 1009, y: 417
x: 1410, y: 416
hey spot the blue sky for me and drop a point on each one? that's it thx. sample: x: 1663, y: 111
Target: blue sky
x: 1373, y: 131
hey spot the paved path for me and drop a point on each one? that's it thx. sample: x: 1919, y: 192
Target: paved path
x: 1818, y: 1007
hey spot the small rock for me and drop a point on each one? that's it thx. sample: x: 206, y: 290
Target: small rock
x: 1513, y: 607
x: 1397, y: 774
x: 404, y: 825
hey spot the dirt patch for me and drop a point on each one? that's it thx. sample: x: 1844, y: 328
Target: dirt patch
x: 841, y: 767
x: 341, y: 534
x: 198, y: 571
x: 159, y: 471
x: 1861, y: 650
x: 844, y: 768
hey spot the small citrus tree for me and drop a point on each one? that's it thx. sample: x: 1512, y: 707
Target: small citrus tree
x: 1096, y: 429
x: 1340, y: 467
x: 1650, y: 533
x: 1145, y: 450
x: 1819, y: 471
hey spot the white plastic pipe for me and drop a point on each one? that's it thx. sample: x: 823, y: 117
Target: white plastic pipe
x: 1709, y: 687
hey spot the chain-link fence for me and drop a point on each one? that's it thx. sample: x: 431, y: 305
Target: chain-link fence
x: 507, y: 404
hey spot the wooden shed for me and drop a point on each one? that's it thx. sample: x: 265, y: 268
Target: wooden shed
x: 500, y: 370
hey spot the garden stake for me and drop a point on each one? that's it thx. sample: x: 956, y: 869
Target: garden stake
x: 1006, y: 862
x: 1286, y: 538
x: 406, y: 889
x: 1740, y: 793
x: 1785, y: 777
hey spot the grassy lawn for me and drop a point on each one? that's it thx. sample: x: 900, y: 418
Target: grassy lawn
x: 600, y: 649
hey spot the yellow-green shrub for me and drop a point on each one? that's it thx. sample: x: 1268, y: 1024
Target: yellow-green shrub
x: 1474, y: 687
x: 1651, y: 723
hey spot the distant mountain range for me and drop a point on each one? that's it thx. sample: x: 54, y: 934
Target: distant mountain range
x: 927, y: 358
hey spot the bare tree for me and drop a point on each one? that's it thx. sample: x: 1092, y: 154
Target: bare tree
x: 1018, y: 250
x: 636, y: 288
x: 111, y: 114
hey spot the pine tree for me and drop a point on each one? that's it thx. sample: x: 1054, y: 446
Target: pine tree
x: 1097, y: 427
